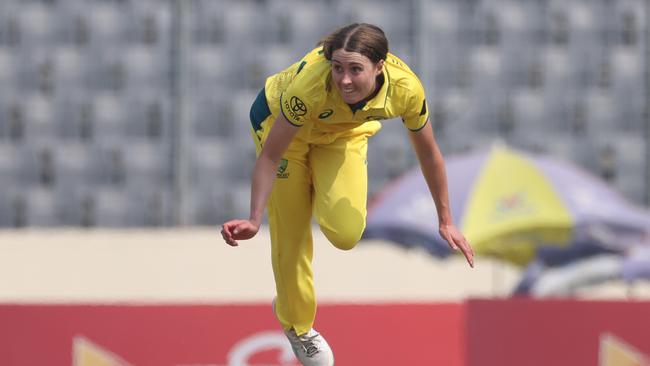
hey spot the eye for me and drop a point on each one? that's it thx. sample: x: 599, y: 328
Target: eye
x: 337, y: 68
x: 357, y: 69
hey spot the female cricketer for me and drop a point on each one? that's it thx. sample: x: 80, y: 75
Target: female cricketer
x: 311, y: 124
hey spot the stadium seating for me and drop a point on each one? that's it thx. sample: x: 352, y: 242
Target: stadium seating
x: 101, y: 98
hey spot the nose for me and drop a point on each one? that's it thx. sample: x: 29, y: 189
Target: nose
x: 346, y: 80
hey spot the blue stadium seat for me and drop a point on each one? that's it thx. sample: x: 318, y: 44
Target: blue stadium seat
x: 36, y: 164
x: 213, y: 116
x: 145, y: 70
x: 150, y: 24
x: 147, y: 164
x: 208, y: 204
x: 35, y: 70
x: 39, y: 114
x: 384, y: 14
x: 75, y: 22
x: 8, y: 68
x: 77, y: 165
x: 9, y: 168
x: 212, y: 203
x: 40, y: 207
x: 148, y: 206
x: 627, y: 84
x: 627, y: 70
x: 520, y: 40
x: 455, y: 104
x: 209, y: 160
x: 629, y: 152
x: 71, y: 70
x: 108, y: 24
x: 302, y: 26
x: 6, y: 209
x: 528, y: 112
x: 238, y: 198
x: 486, y: 68
x: 630, y: 23
x: 206, y: 26
x: 109, y: 207
x: 557, y: 68
x: 148, y: 117
x: 600, y: 109
x: 110, y: 117
x: 442, y: 34
x: 38, y: 24
x: 279, y: 57
x: 75, y: 118
x: 244, y: 23
x: 208, y: 67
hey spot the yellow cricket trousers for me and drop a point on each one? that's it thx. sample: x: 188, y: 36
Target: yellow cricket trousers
x: 324, y: 174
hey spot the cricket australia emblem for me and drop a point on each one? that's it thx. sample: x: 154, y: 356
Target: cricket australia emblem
x: 282, y: 169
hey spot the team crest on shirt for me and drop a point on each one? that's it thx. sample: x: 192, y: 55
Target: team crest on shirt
x: 282, y: 169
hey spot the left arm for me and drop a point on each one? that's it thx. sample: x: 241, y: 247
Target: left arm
x: 432, y: 165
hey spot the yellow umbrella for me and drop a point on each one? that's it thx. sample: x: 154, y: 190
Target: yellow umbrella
x: 512, y: 207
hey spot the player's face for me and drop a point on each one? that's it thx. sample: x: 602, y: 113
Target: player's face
x: 354, y: 75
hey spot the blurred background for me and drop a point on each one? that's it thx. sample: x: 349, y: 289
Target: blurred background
x: 124, y: 143
x: 135, y: 113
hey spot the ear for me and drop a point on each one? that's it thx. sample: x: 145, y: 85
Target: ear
x: 380, y: 66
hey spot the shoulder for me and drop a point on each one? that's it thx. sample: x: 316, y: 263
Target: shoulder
x: 401, y: 77
x: 307, y: 89
x: 311, y: 73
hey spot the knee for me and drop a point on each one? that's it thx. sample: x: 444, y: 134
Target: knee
x: 344, y: 239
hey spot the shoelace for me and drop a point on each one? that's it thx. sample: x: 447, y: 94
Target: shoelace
x: 309, y: 344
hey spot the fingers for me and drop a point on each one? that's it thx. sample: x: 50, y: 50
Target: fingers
x: 451, y: 242
x: 468, y: 252
x: 226, y: 233
x: 462, y: 245
x: 469, y: 255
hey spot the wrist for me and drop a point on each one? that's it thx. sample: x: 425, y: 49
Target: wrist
x: 445, y: 220
x: 255, y: 221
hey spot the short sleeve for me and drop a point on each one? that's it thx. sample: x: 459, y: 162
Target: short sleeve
x: 295, y: 104
x: 417, y: 112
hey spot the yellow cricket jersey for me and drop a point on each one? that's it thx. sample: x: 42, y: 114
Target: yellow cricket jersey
x: 305, y: 93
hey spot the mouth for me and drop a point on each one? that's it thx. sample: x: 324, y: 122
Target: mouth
x: 348, y: 93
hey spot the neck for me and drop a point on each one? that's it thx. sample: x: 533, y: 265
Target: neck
x: 379, y: 81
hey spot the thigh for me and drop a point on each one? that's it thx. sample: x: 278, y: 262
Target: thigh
x: 340, y: 180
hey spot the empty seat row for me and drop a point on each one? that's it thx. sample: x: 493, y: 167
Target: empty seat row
x: 84, y: 23
x: 208, y: 204
x: 105, y: 207
x: 64, y: 69
x: 100, y: 117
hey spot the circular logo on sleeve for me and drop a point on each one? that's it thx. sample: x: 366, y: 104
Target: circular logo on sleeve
x: 297, y: 106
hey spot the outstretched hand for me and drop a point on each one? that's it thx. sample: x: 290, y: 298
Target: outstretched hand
x: 457, y: 241
x: 234, y: 230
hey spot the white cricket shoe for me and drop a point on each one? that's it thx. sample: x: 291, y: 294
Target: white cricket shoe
x: 310, y: 348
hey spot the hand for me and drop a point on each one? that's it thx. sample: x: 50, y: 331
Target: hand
x: 457, y: 241
x: 234, y: 230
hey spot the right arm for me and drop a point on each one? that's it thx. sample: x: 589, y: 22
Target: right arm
x: 264, y: 172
